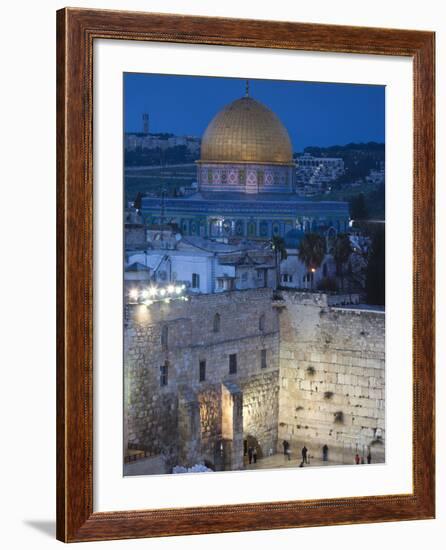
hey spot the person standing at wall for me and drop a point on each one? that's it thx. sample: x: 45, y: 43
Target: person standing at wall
x: 304, y: 455
x: 286, y: 446
x: 325, y: 453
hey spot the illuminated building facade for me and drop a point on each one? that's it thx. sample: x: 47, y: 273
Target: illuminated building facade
x: 246, y: 182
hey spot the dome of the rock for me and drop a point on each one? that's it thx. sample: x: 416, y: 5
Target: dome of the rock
x: 246, y: 131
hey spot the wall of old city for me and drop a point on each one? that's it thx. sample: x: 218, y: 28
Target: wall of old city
x: 320, y: 380
x: 331, y: 376
x: 183, y: 419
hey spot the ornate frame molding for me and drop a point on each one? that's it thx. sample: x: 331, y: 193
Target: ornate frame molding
x: 76, y: 31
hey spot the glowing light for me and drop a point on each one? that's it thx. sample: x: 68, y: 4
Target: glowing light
x: 148, y: 302
x: 170, y: 289
x: 167, y: 300
x: 163, y: 292
x: 178, y: 289
x: 183, y: 287
x: 152, y: 291
x: 134, y: 294
x: 313, y: 270
x: 145, y: 294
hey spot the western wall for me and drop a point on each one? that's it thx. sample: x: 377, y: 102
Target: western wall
x: 332, y: 359
x: 307, y: 368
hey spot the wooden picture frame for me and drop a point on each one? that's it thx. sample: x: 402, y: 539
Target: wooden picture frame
x: 77, y: 29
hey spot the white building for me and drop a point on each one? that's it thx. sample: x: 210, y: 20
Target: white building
x: 314, y: 173
x: 294, y: 273
x: 203, y: 265
x: 151, y: 141
x: 376, y: 176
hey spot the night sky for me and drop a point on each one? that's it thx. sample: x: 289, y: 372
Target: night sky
x: 314, y: 113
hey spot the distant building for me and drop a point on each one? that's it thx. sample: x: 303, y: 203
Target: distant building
x: 376, y: 176
x: 315, y: 173
x: 294, y: 273
x: 203, y: 265
x: 246, y: 182
x: 147, y: 141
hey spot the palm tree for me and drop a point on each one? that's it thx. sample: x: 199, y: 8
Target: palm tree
x: 341, y: 253
x: 312, y: 253
x: 280, y: 253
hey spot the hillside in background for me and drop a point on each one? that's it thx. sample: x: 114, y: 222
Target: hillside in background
x: 367, y: 200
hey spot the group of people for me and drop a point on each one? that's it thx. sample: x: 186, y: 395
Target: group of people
x: 360, y: 459
x: 252, y: 455
x: 304, y: 452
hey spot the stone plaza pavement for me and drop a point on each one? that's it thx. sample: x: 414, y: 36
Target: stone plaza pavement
x: 281, y: 461
x: 155, y: 465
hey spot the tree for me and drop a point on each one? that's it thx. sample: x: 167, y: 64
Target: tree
x: 280, y: 253
x: 342, y: 250
x: 358, y: 207
x: 137, y: 203
x: 375, y: 277
x: 312, y: 253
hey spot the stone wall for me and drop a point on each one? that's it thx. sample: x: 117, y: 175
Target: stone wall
x: 260, y: 411
x: 162, y: 418
x: 321, y: 380
x: 331, y: 377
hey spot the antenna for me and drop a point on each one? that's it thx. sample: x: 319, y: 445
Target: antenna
x: 145, y: 123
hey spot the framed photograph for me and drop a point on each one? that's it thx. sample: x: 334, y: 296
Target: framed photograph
x: 245, y: 275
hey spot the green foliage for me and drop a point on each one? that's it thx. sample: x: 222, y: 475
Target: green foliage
x: 359, y: 159
x: 138, y: 201
x: 358, y: 207
x: 342, y: 249
x: 280, y: 253
x: 343, y: 150
x: 155, y: 179
x: 179, y: 154
x: 312, y: 250
x: 375, y: 203
x: 278, y: 245
x: 375, y: 276
x: 327, y: 284
x: 341, y: 253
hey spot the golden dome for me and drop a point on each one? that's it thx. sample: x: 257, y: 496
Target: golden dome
x: 246, y: 131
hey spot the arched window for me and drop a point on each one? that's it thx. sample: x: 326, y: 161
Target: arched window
x: 216, y: 324
x: 164, y: 336
x: 260, y: 177
x: 262, y: 322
